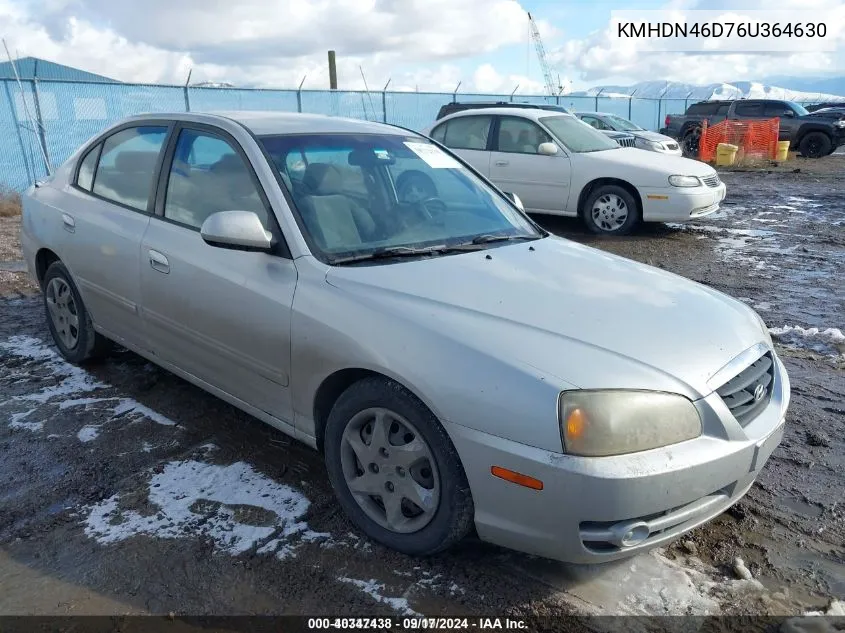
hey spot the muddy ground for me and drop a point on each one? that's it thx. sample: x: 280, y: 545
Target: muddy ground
x: 124, y: 489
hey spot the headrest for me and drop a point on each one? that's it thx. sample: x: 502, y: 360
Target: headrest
x: 322, y: 179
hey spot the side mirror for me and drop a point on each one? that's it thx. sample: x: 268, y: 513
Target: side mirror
x: 515, y: 199
x: 547, y: 149
x: 788, y: 114
x: 239, y: 230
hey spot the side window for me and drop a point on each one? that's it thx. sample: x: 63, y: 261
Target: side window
x: 87, y: 167
x: 207, y: 175
x: 723, y: 109
x: 467, y: 132
x: 777, y: 109
x: 749, y: 109
x: 439, y: 133
x: 127, y: 165
x: 520, y: 136
x: 596, y: 123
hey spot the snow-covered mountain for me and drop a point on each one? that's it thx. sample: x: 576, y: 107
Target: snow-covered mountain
x: 735, y: 90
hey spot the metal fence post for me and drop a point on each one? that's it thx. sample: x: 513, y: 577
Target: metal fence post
x: 187, y: 100
x: 630, y: 101
x: 40, y: 123
x: 30, y: 170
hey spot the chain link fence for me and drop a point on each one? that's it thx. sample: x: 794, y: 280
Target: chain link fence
x: 43, y: 121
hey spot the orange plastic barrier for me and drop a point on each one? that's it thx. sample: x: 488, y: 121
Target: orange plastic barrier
x: 758, y: 139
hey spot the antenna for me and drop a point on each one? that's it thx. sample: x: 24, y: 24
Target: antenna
x: 29, y: 118
x: 369, y: 96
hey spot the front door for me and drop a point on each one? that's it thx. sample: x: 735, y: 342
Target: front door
x: 541, y: 182
x: 221, y: 315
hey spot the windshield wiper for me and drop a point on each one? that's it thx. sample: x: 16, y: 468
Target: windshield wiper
x: 391, y: 252
x: 487, y: 239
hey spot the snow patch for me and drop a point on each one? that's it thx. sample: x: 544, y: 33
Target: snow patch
x: 827, y: 341
x: 16, y: 421
x: 233, y: 505
x: 375, y: 590
x: 130, y: 406
x: 72, y: 379
x: 88, y: 433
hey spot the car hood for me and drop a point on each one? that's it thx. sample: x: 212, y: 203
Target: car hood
x: 632, y: 160
x: 592, y: 319
x: 829, y: 117
x: 653, y: 136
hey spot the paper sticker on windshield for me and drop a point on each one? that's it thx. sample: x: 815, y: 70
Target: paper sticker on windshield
x: 433, y: 156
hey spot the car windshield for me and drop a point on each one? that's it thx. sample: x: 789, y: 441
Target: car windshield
x: 623, y: 125
x: 577, y: 136
x: 361, y: 195
x: 799, y: 109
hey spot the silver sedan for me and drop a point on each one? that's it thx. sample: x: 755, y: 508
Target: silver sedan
x: 457, y: 366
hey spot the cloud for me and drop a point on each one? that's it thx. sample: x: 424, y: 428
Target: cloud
x: 262, y: 42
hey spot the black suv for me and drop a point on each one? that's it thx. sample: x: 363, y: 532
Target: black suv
x: 814, y: 135
x: 625, y: 139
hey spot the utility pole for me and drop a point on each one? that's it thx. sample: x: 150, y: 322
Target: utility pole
x: 332, y: 71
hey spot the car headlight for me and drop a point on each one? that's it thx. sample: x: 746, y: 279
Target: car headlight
x: 646, y: 144
x: 597, y: 423
x: 840, y: 123
x: 766, y: 334
x: 684, y: 181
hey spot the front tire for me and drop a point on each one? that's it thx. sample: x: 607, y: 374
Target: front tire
x: 815, y: 145
x: 395, y: 470
x: 610, y: 210
x: 68, y: 320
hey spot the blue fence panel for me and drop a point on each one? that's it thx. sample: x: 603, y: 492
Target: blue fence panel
x: 644, y: 113
x: 415, y: 110
x: 223, y: 99
x: 74, y: 112
x: 20, y: 156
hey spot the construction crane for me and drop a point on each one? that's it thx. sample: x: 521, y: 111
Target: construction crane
x: 551, y: 88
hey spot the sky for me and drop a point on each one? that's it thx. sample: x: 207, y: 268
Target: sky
x: 426, y: 45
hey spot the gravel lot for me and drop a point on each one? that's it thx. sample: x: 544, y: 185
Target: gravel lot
x: 125, y: 490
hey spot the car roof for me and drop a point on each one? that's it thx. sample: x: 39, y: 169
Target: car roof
x: 262, y: 122
x: 528, y: 112
x: 595, y: 113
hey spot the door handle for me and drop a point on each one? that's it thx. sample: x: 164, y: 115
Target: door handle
x: 68, y: 222
x: 159, y: 262
x: 501, y: 163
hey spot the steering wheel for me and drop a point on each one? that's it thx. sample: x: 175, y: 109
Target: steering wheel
x: 435, y: 202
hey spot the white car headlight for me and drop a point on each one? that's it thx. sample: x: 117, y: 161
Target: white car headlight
x: 840, y: 123
x: 597, y: 423
x: 766, y: 334
x: 684, y: 181
x: 646, y: 144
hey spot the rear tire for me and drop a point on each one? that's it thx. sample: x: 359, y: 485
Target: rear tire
x: 68, y: 319
x: 815, y: 145
x: 410, y: 456
x: 610, y: 210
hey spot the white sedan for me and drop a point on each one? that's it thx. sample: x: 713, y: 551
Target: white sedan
x: 557, y: 164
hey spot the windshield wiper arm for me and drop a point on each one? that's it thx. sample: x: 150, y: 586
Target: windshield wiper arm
x: 391, y: 252
x: 486, y: 239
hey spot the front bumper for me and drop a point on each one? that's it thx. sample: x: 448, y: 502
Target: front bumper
x: 588, y: 504
x: 680, y: 204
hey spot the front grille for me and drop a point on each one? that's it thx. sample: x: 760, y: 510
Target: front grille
x: 712, y: 181
x: 626, y: 141
x: 673, y: 147
x: 748, y: 393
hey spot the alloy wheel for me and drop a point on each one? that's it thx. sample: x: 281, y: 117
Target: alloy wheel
x: 390, y: 470
x: 62, y: 310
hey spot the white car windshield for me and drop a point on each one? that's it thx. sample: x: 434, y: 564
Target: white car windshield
x: 368, y: 196
x: 622, y: 125
x: 578, y: 136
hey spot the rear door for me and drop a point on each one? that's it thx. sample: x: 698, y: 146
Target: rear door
x: 469, y: 137
x: 221, y: 315
x: 789, y: 124
x: 107, y: 212
x: 541, y: 182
